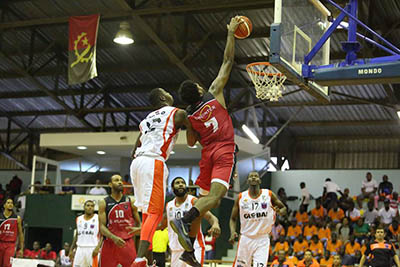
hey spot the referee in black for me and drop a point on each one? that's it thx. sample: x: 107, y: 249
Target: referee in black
x: 383, y: 253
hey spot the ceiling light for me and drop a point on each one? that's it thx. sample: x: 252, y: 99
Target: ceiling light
x: 193, y: 147
x: 250, y: 134
x: 124, y: 35
x: 172, y: 152
x: 81, y: 147
x: 398, y: 113
x: 100, y: 152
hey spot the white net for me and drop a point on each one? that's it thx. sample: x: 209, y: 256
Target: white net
x: 267, y: 81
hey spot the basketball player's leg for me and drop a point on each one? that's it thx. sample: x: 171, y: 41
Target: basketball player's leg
x: 199, y: 254
x: 80, y: 258
x: 8, y: 254
x: 108, y: 254
x: 175, y: 261
x: 127, y: 254
x: 261, y: 253
x: 243, y: 253
x: 2, y: 252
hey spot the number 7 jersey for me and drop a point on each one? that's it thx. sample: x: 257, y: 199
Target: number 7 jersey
x: 212, y: 121
x: 256, y: 214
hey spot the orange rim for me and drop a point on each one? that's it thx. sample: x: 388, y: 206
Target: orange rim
x: 248, y: 68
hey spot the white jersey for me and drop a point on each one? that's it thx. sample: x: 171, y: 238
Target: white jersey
x: 174, y: 212
x: 256, y: 215
x: 88, y: 231
x: 158, y: 133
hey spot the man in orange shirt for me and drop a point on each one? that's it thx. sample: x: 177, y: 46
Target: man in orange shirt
x: 350, y: 251
x: 294, y: 230
x: 308, y: 261
x: 310, y: 229
x: 337, y: 261
x: 353, y: 213
x: 281, y: 245
x: 316, y: 247
x: 318, y: 212
x: 290, y: 257
x: 300, y: 246
x: 281, y: 261
x: 335, y: 213
x: 394, y: 230
x: 334, y: 245
x: 324, y: 232
x: 327, y: 259
x: 301, y: 216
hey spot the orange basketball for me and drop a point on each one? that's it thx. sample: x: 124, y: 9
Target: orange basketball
x: 244, y: 29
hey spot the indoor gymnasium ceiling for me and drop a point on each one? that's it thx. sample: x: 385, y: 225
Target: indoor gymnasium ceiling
x: 35, y: 97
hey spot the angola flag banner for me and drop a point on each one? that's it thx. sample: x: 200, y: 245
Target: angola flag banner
x: 82, y: 48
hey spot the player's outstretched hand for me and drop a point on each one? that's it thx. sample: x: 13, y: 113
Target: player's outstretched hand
x: 215, y: 231
x: 233, y: 25
x: 118, y: 241
x: 133, y: 230
x: 233, y: 238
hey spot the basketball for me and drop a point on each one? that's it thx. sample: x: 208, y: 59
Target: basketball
x: 244, y: 29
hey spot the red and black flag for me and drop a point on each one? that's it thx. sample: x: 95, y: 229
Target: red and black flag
x: 82, y: 48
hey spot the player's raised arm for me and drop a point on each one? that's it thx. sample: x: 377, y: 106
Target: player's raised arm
x: 233, y: 220
x: 277, y: 203
x: 181, y: 120
x: 219, y: 83
x: 103, y: 227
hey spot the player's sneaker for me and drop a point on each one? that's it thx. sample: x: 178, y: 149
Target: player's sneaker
x: 189, y: 258
x: 140, y: 264
x: 182, y: 230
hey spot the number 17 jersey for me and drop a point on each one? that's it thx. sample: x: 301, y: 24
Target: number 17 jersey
x: 212, y: 121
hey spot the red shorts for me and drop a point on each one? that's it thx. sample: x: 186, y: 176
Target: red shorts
x: 217, y: 164
x: 7, y: 250
x: 111, y: 255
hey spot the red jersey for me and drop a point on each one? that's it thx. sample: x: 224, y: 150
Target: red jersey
x: 119, y: 216
x: 212, y: 121
x: 48, y: 255
x: 8, y: 228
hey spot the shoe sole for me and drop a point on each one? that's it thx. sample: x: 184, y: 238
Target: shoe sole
x: 189, y: 262
x: 182, y: 240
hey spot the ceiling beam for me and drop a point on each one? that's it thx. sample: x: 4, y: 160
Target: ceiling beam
x: 216, y: 6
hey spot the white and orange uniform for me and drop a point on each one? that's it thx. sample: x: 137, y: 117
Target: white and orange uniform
x: 88, y: 234
x: 175, y: 212
x: 256, y: 219
x: 148, y: 170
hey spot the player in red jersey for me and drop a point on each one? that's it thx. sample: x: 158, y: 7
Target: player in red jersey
x: 118, y: 216
x: 10, y: 229
x: 210, y: 119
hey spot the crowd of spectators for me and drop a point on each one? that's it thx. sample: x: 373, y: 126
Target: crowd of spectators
x: 338, y: 228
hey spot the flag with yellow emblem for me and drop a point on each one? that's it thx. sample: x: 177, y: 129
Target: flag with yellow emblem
x: 82, y: 48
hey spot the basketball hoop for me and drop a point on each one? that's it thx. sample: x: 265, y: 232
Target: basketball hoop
x: 267, y: 80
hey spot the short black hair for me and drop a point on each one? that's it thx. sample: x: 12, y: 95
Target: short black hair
x: 87, y: 201
x: 154, y: 96
x: 302, y: 184
x: 189, y: 93
x: 328, y: 180
x: 176, y: 178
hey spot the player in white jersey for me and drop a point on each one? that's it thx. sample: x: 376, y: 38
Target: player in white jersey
x: 87, y: 238
x: 158, y: 132
x: 175, y: 209
x: 256, y: 208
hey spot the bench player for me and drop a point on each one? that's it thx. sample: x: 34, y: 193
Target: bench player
x: 87, y: 238
x: 158, y: 132
x: 118, y: 216
x: 256, y: 208
x: 210, y: 119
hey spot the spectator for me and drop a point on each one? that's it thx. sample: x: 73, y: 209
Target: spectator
x: 47, y: 188
x: 47, y: 253
x: 281, y: 260
x: 316, y: 247
x: 293, y: 259
x: 371, y: 214
x: 37, y: 187
x: 310, y: 229
x: 36, y: 252
x: 394, y: 200
x: 301, y: 216
x: 394, y: 231
x: 277, y: 230
x: 308, y: 261
x: 330, y: 193
x: 368, y: 189
x: 282, y: 196
x: 294, y: 230
x: 361, y: 230
x: 63, y: 257
x: 210, y: 246
x: 305, y: 196
x: 385, y: 187
x: 350, y: 251
x: 15, y: 186
x: 327, y: 259
x: 334, y: 245
x: 345, y: 200
x: 67, y: 190
x: 282, y: 244
x: 127, y: 181
x: 319, y: 212
x: 335, y: 213
x: 160, y: 245
x: 324, y: 232
x: 353, y: 213
x: 98, y: 189
x: 192, y: 190
x: 344, y: 230
x: 337, y: 261
x: 299, y: 247
x: 386, y: 213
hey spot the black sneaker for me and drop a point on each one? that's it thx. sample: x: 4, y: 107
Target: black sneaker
x: 189, y: 258
x: 182, y: 230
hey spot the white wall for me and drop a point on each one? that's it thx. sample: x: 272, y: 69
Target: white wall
x: 314, y: 179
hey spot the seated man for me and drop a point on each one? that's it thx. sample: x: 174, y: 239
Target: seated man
x: 308, y: 261
x: 316, y: 247
x: 319, y: 212
x: 361, y: 230
x: 281, y: 260
x: 67, y: 189
x: 368, y: 189
x: 281, y: 245
x: 394, y: 231
x: 47, y: 253
x: 337, y: 261
x: 300, y: 246
x: 334, y: 246
x: 294, y: 230
x: 353, y: 213
x: 301, y: 216
x: 324, y: 232
x: 335, y: 213
x: 350, y: 251
x: 385, y: 187
x: 371, y: 214
x: 310, y: 229
x: 387, y: 213
x: 345, y: 200
x: 327, y: 259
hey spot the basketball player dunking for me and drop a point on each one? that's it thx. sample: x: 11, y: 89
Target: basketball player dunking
x: 256, y: 208
x: 210, y: 119
x: 10, y: 229
x: 87, y: 238
x: 158, y: 132
x: 118, y: 216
